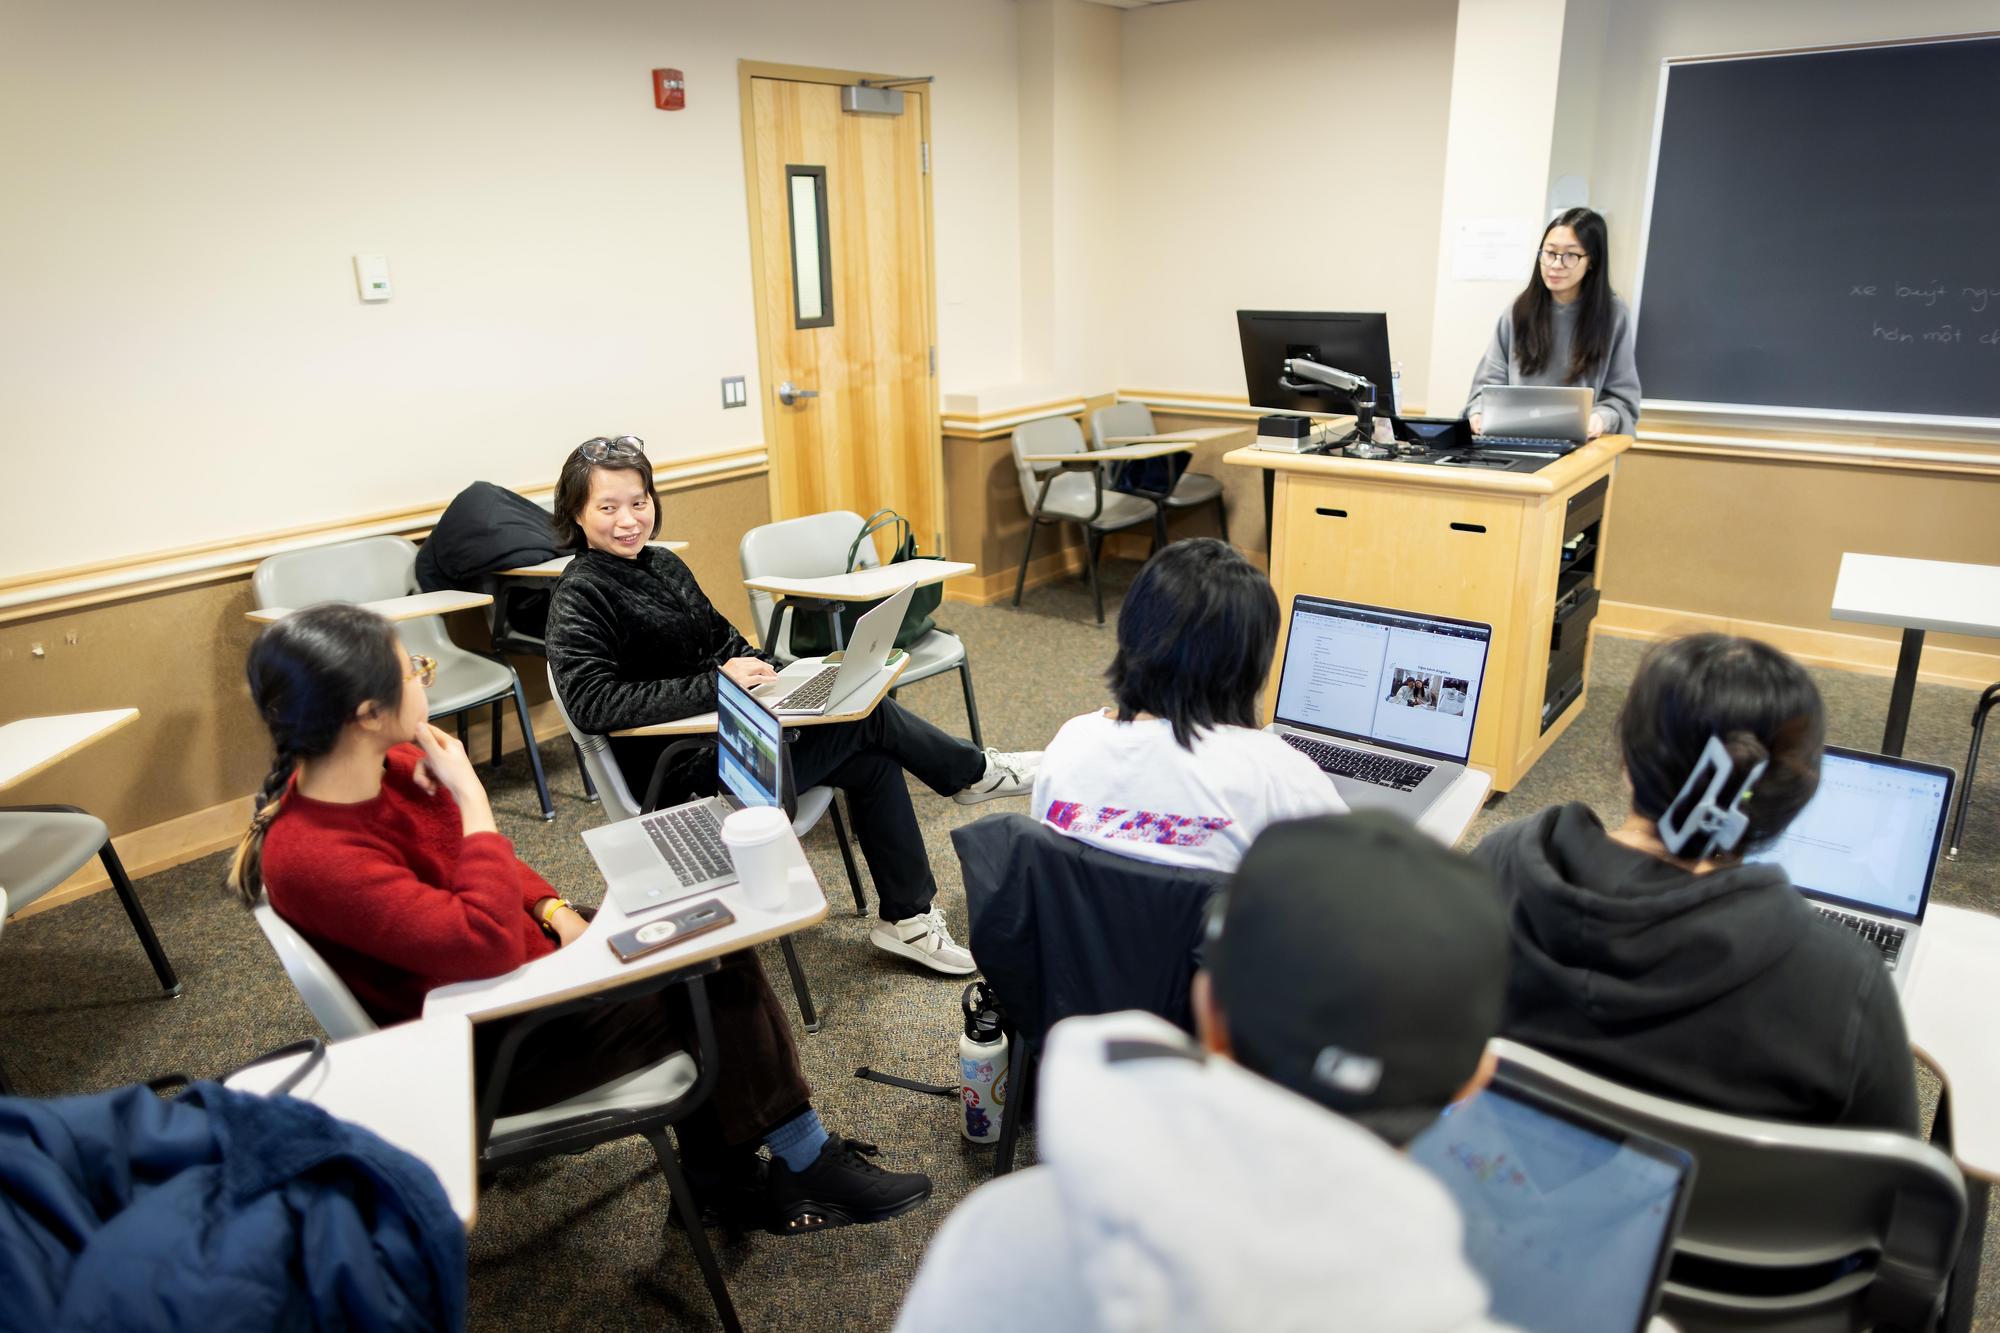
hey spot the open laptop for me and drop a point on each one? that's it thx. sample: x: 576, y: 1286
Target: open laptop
x: 677, y: 852
x: 815, y: 685
x: 1865, y: 849
x: 1533, y: 416
x: 1570, y: 1218
x: 1383, y: 701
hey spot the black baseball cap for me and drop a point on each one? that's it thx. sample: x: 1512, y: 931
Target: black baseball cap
x: 1360, y: 964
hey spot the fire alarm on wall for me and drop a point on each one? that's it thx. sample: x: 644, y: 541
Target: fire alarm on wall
x: 669, y: 90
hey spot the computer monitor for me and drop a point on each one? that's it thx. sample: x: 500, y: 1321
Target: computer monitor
x: 749, y: 746
x: 1356, y: 343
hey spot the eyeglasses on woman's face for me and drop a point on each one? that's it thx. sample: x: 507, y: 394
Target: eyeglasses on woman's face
x: 1563, y: 259
x: 423, y: 670
x: 604, y: 447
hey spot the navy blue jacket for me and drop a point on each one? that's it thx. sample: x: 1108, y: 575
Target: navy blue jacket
x: 217, y: 1211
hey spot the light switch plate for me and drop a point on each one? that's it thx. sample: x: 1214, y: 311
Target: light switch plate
x: 733, y: 392
x: 371, y: 277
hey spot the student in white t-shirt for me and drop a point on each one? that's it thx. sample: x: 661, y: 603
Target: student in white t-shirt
x: 1176, y: 770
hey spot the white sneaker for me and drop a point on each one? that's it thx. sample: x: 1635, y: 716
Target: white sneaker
x: 924, y: 938
x: 1008, y: 774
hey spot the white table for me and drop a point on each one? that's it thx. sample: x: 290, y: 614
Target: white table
x: 414, y: 607
x: 31, y: 744
x: 1915, y: 596
x: 553, y: 569
x: 588, y: 967
x: 411, y: 1084
x: 1453, y: 813
x: 863, y: 585
x: 1198, y: 435
x: 1123, y: 453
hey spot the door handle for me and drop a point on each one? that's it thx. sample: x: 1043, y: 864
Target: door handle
x: 789, y: 393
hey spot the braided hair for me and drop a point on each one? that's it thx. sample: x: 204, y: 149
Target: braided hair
x: 309, y: 675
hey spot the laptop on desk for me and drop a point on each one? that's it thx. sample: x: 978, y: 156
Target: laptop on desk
x: 1383, y: 701
x: 1864, y: 851
x: 1569, y: 1217
x: 676, y: 853
x: 1541, y: 418
x: 813, y: 686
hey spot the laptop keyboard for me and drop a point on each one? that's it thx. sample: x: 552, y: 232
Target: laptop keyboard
x: 812, y: 692
x: 1380, y: 769
x: 1535, y: 445
x: 689, y: 838
x: 1885, y: 937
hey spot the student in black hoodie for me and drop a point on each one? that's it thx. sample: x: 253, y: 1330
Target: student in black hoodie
x: 1701, y: 977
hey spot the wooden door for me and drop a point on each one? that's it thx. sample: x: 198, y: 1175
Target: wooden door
x: 840, y: 221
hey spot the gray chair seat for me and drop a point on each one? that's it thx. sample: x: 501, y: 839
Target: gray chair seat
x: 1073, y: 496
x: 1192, y: 490
x: 40, y: 850
x: 467, y: 681
x: 1195, y: 488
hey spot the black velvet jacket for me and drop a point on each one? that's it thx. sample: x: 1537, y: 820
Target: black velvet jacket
x: 636, y: 641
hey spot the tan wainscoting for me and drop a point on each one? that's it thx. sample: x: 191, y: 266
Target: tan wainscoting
x: 176, y: 783
x: 1815, y: 647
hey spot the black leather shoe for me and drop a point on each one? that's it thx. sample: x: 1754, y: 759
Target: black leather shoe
x: 843, y: 1187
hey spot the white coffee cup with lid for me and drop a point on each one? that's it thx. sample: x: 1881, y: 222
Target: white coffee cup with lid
x: 761, y: 842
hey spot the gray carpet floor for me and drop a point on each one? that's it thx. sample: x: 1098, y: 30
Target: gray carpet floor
x: 576, y: 1243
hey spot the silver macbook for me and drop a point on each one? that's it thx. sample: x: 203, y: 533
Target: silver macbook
x: 815, y: 685
x: 1569, y: 1217
x: 1535, y: 412
x: 1865, y: 849
x: 1383, y: 701
x: 677, y: 852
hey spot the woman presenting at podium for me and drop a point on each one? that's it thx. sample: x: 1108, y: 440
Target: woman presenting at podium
x: 1568, y: 328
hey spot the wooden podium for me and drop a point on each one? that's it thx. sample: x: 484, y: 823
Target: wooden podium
x: 1517, y: 551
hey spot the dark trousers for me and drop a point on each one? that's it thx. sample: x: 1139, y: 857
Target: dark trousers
x: 759, y: 1084
x: 866, y: 760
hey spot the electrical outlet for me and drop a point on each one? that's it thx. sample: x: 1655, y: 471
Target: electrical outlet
x: 733, y: 392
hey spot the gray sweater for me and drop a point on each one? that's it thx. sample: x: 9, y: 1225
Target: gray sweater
x: 1616, y: 380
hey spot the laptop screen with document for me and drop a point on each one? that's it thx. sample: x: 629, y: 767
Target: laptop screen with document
x: 1869, y: 837
x: 749, y: 746
x: 1397, y: 678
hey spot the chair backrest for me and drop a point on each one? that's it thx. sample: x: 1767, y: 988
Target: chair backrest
x: 1062, y: 928
x: 1119, y: 419
x: 1047, y: 435
x: 612, y: 794
x: 1796, y: 1227
x: 810, y: 547
x: 372, y: 569
x: 325, y: 994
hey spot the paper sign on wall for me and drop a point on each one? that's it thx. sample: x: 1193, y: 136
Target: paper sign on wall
x: 1493, y: 250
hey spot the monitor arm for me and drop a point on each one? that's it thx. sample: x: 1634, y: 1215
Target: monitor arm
x: 1360, y: 389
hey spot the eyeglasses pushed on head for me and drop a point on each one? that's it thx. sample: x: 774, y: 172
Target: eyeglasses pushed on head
x: 602, y: 447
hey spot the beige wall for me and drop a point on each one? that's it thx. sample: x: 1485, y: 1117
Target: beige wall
x: 187, y: 184
x: 1283, y: 154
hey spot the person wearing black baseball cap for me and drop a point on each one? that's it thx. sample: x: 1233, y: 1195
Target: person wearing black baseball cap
x: 1204, y: 1185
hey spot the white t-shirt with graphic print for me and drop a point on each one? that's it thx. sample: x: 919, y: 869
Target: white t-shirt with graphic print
x: 1130, y: 788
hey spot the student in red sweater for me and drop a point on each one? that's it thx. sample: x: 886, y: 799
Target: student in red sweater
x: 374, y: 838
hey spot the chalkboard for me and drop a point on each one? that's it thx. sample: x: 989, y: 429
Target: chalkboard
x: 1824, y: 234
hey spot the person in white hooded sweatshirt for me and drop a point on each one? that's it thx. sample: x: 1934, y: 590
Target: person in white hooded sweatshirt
x: 1254, y: 1183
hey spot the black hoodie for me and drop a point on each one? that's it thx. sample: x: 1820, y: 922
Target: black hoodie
x: 1726, y: 989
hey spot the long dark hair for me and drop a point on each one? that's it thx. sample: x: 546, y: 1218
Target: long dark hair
x: 1758, y: 700
x: 1534, y: 308
x: 1195, y: 638
x: 310, y: 673
x: 598, y: 453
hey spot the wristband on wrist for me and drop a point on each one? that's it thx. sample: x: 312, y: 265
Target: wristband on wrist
x: 547, y: 914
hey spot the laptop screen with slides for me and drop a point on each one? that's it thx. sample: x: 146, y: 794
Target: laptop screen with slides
x: 1395, y: 678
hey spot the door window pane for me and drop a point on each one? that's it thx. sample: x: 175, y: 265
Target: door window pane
x: 812, y: 263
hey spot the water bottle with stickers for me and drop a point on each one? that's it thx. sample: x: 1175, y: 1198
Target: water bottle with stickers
x: 982, y: 1065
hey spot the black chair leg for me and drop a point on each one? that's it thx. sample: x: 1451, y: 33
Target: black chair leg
x: 1090, y: 544
x: 1985, y: 706
x: 690, y: 1215
x: 528, y: 744
x: 141, y: 924
x: 1221, y: 518
x: 464, y: 737
x: 801, y: 988
x: 1021, y: 579
x: 494, y: 762
x: 583, y: 771
x: 847, y: 855
x: 971, y: 708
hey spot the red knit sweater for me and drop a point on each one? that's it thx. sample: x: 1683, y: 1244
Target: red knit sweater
x: 396, y: 897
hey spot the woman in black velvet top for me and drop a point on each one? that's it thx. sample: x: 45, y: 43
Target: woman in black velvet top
x: 633, y: 640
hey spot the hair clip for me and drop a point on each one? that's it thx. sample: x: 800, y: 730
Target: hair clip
x: 1702, y: 814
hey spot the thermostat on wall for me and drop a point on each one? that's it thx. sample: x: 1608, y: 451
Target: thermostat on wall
x: 371, y: 275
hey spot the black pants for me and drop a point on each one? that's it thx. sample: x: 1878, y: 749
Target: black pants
x: 866, y: 760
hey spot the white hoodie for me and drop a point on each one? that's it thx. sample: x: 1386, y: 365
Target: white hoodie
x: 1192, y: 1196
